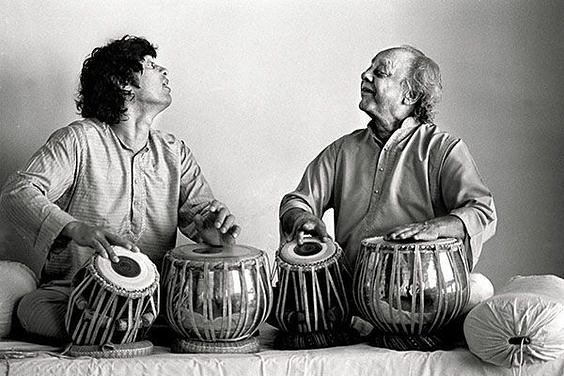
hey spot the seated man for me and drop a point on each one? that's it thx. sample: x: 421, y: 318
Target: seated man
x: 401, y: 177
x: 108, y: 179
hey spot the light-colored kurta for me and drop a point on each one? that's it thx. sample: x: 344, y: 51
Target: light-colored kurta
x: 419, y: 173
x: 85, y: 172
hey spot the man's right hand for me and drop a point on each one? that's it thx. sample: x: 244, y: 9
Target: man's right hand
x: 98, y: 238
x: 297, y: 223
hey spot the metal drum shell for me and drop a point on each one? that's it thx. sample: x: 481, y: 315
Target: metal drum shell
x: 216, y: 298
x: 411, y: 288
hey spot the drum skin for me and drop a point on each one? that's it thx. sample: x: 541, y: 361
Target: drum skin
x: 411, y: 288
x: 215, y: 294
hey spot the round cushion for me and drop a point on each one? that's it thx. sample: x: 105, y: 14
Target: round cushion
x: 16, y: 280
x: 481, y: 288
x: 522, y: 323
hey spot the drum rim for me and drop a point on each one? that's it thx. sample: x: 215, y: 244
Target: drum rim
x: 333, y: 259
x: 218, y: 264
x: 254, y: 253
x: 440, y: 244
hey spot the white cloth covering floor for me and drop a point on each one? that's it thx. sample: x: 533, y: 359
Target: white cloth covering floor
x: 360, y: 359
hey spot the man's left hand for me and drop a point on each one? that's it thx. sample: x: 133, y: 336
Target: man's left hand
x: 218, y: 227
x: 423, y: 231
x: 449, y: 226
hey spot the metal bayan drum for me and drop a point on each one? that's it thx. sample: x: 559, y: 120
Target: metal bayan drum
x: 311, y: 307
x: 216, y: 297
x: 409, y: 291
x: 112, y: 305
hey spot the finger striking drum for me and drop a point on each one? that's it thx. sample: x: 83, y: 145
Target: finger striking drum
x: 112, y: 305
x: 311, y: 307
x: 216, y: 297
x: 409, y: 291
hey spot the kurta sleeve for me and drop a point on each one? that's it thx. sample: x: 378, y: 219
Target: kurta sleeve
x: 314, y: 193
x: 466, y: 197
x: 28, y: 198
x: 195, y: 193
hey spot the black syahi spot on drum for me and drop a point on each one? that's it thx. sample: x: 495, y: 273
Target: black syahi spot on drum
x: 126, y: 267
x: 308, y: 249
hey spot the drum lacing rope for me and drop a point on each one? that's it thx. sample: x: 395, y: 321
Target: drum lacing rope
x: 523, y: 339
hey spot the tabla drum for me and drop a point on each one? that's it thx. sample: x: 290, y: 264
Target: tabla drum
x: 411, y: 291
x: 112, y: 305
x: 216, y: 297
x: 311, y: 306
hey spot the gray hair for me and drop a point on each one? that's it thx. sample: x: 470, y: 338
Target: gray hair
x: 423, y: 81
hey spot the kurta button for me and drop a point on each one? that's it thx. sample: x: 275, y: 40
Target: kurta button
x: 381, y: 169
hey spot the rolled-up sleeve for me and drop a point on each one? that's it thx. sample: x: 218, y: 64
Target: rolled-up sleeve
x: 27, y: 198
x: 314, y: 193
x: 195, y: 193
x: 466, y: 197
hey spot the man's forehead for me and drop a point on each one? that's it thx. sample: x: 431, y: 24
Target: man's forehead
x: 390, y: 59
x: 384, y: 62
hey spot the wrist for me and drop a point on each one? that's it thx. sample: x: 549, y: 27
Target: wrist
x: 448, y: 226
x: 68, y: 230
x: 289, y: 219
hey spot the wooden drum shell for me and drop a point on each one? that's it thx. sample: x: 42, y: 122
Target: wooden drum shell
x: 103, y: 310
x: 311, y: 294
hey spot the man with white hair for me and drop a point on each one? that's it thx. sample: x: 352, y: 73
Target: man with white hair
x: 401, y: 177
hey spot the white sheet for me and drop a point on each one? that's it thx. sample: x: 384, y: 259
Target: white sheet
x: 359, y: 359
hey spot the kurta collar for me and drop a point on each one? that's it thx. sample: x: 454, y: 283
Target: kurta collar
x: 408, y: 125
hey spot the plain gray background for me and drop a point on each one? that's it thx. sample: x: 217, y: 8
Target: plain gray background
x: 261, y: 87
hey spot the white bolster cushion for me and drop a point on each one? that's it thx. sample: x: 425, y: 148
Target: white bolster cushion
x: 522, y: 323
x: 16, y: 280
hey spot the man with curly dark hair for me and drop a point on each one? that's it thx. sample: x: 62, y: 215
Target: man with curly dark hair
x: 401, y: 177
x: 108, y: 179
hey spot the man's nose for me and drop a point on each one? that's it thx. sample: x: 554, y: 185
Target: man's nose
x: 367, y: 75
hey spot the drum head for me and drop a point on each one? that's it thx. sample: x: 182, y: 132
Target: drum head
x: 313, y: 251
x: 205, y: 252
x: 133, y: 272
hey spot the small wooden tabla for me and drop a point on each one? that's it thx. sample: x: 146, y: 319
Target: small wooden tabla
x: 216, y: 297
x: 112, y: 305
x: 410, y: 291
x: 311, y: 305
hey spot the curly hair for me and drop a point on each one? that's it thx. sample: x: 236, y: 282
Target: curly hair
x: 423, y: 80
x: 104, y: 75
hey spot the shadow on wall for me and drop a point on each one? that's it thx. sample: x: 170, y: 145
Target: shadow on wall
x: 33, y: 106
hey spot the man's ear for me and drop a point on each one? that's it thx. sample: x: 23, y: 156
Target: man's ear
x: 410, y: 97
x: 129, y: 88
x: 131, y: 85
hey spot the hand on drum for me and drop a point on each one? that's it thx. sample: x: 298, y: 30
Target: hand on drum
x: 449, y: 226
x: 98, y: 238
x: 298, y: 223
x: 424, y: 231
x: 218, y: 227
